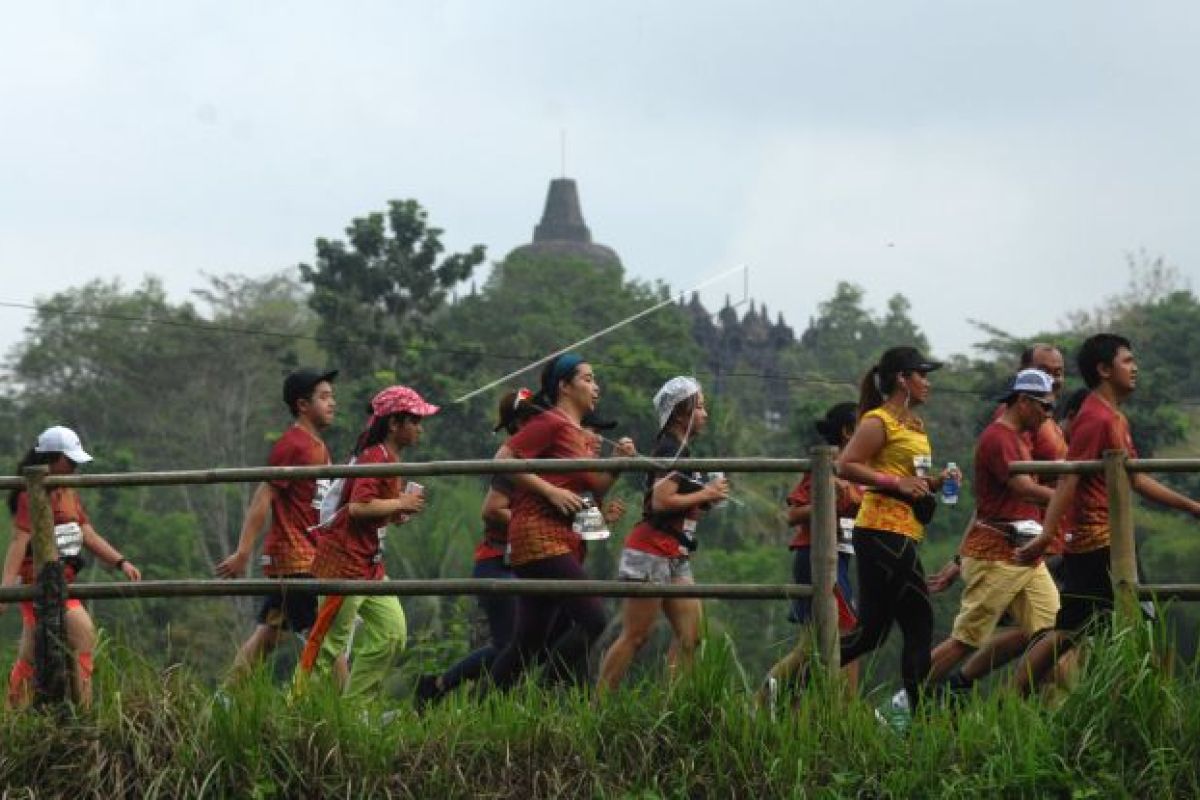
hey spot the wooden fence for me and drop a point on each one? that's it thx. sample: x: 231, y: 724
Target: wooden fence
x: 51, y: 590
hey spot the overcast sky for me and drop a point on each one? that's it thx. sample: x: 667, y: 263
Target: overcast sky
x: 990, y: 160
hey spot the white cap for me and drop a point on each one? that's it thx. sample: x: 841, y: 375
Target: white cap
x: 62, y: 440
x: 672, y: 393
x: 1032, y: 381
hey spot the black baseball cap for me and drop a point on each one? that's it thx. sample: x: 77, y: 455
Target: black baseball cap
x: 299, y: 384
x: 906, y: 359
x: 596, y: 422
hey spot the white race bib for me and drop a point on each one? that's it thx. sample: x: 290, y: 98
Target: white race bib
x: 69, y: 538
x: 321, y: 491
x: 846, y: 535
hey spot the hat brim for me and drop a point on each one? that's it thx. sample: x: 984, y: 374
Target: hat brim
x: 78, y: 455
x: 1008, y: 399
x: 423, y: 409
x: 928, y: 366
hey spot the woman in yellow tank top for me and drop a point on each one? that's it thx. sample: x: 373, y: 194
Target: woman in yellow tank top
x: 890, y: 453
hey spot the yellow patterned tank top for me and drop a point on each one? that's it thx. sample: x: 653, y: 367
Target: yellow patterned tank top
x: 905, y: 454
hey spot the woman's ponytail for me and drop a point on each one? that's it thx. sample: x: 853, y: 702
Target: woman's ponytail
x: 870, y: 393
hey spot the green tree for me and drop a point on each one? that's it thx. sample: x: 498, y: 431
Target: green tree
x: 377, y: 293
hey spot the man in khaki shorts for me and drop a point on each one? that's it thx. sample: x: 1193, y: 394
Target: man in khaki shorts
x: 1008, y: 514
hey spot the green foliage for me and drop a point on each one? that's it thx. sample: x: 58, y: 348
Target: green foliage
x: 1128, y: 730
x: 376, y: 293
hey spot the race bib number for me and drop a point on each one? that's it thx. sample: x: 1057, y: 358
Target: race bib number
x: 69, y: 538
x: 321, y: 492
x: 922, y: 465
x: 846, y: 535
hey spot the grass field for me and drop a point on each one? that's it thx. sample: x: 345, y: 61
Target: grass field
x: 1127, y: 729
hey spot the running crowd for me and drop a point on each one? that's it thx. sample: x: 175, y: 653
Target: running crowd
x: 1034, y: 559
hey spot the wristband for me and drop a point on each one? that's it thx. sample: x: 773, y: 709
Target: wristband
x: 884, y: 481
x: 122, y: 561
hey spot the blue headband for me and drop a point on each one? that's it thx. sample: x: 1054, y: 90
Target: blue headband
x: 563, y: 367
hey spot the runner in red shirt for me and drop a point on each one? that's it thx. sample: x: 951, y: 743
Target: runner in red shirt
x: 60, y: 449
x: 1109, y: 369
x: 657, y: 551
x: 1047, y: 443
x: 351, y: 546
x: 835, y: 429
x: 541, y: 537
x: 491, y: 563
x: 1008, y: 507
x: 293, y: 508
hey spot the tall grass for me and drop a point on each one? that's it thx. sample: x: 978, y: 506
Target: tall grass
x: 1128, y: 729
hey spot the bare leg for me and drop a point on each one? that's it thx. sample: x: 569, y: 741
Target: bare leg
x: 1039, y: 660
x: 260, y: 644
x: 684, y: 614
x: 997, y: 651
x: 638, y: 615
x: 945, y: 657
x: 81, y: 636
x: 20, y: 689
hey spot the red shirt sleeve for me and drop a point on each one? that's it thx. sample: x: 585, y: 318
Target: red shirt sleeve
x: 283, y: 454
x: 364, y: 490
x: 65, y: 506
x: 537, y: 437
x: 1088, y: 442
x: 999, y: 452
x: 802, y: 494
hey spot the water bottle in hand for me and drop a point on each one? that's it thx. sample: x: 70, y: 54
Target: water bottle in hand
x: 950, y: 485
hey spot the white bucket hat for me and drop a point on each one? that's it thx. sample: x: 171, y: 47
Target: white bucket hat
x: 62, y: 440
x: 672, y: 393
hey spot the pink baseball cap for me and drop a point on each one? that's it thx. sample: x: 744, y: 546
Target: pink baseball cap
x: 401, y: 400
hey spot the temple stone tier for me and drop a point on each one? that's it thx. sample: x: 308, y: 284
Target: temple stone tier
x: 562, y: 233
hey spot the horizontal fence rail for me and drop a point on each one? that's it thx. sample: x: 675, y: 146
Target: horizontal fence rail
x: 409, y: 588
x: 415, y: 469
x: 1096, y: 467
x: 51, y: 591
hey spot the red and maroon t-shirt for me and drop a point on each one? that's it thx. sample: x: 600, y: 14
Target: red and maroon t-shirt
x: 295, y: 505
x: 353, y: 548
x: 1047, y: 443
x: 849, y: 498
x: 495, y: 537
x: 537, y: 530
x: 65, y: 506
x: 1096, y: 428
x: 998, y: 446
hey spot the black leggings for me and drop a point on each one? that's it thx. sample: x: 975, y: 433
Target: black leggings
x: 539, y: 617
x: 891, y: 588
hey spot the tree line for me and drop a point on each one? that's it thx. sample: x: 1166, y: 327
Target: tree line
x: 155, y: 383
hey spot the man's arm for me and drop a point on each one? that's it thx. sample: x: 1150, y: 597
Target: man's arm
x: 1163, y: 495
x: 1064, y: 495
x: 257, y: 516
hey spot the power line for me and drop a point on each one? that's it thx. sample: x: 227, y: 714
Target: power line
x: 219, y: 329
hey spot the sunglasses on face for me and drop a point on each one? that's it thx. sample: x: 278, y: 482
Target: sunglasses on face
x: 1046, y: 405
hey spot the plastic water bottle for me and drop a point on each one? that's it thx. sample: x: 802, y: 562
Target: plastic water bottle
x: 950, y: 486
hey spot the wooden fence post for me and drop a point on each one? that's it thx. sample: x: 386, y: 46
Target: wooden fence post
x: 824, y: 556
x: 49, y: 640
x: 1122, y: 553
